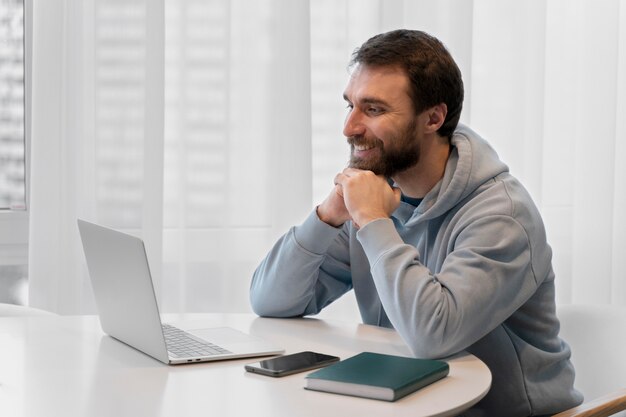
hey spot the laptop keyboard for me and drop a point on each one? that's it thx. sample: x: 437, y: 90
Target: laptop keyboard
x: 181, y: 344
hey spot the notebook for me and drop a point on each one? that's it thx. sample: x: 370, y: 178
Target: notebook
x: 377, y: 376
x: 125, y: 298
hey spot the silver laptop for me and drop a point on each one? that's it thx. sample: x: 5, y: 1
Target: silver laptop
x: 124, y: 293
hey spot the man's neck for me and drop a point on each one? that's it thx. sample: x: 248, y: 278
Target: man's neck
x: 418, y: 180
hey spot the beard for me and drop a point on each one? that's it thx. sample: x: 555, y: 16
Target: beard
x: 401, y: 153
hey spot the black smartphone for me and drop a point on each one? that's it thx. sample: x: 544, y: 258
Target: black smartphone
x: 291, y: 364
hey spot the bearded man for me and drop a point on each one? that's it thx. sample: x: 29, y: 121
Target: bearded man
x: 434, y: 235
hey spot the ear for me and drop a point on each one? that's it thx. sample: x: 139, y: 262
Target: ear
x: 435, y: 116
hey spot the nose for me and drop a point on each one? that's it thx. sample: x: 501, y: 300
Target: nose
x: 353, y: 126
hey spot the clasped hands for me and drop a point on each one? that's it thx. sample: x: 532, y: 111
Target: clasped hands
x: 360, y: 196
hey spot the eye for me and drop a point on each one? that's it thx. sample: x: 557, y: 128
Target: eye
x: 374, y: 111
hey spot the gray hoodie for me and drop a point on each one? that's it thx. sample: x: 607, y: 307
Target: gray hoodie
x: 468, y: 269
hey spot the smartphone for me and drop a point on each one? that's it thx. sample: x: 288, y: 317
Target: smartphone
x: 291, y: 364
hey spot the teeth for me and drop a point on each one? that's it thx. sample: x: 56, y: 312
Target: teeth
x: 362, y: 147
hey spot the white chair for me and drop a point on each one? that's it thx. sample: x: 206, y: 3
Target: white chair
x: 11, y: 310
x: 597, y: 336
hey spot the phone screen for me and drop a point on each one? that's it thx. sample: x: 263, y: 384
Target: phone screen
x: 291, y: 364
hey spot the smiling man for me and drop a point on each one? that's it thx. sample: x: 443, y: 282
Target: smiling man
x: 432, y: 233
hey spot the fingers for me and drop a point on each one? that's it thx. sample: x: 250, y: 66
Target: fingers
x: 339, y: 190
x: 348, y: 173
x: 351, y: 172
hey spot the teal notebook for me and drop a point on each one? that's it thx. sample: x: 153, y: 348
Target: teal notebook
x: 377, y: 376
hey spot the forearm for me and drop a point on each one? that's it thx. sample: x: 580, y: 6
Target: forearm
x: 297, y: 277
x: 443, y: 313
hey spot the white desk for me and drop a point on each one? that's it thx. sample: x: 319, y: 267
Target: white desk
x: 66, y: 366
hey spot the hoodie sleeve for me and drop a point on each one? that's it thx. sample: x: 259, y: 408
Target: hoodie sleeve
x: 299, y: 276
x: 486, y: 277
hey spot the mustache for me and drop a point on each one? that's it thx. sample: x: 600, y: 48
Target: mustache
x: 355, y: 140
x: 362, y: 140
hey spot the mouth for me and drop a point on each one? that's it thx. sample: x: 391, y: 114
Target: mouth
x: 362, y: 148
x: 365, y: 153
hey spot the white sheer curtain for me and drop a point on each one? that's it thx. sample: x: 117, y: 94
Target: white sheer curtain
x: 209, y: 127
x: 97, y: 137
x: 168, y: 120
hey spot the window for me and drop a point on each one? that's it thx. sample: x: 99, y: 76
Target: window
x: 13, y: 184
x: 12, y: 143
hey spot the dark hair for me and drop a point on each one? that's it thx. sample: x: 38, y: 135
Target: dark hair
x: 435, y: 78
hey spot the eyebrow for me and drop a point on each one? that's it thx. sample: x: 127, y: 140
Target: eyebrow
x: 369, y: 100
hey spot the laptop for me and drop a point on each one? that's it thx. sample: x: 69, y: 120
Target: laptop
x: 128, y: 310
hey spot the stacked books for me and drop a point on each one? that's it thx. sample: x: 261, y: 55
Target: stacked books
x: 377, y: 376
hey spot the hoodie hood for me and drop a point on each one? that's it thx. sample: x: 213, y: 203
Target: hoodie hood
x: 472, y: 162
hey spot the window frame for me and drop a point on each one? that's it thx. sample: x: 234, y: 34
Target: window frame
x: 14, y: 222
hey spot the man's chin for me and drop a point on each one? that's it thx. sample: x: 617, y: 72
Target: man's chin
x: 366, y: 166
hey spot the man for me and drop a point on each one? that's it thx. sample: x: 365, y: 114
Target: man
x: 431, y: 231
